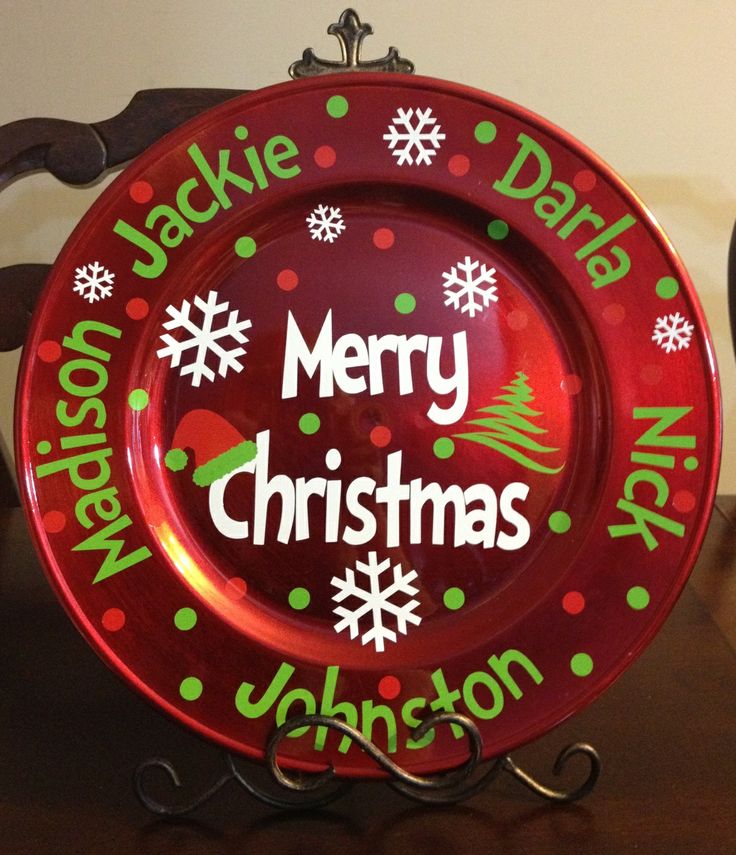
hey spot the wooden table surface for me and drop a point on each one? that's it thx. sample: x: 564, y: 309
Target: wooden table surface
x: 71, y: 736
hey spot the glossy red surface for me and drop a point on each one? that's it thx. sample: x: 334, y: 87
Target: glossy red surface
x: 399, y: 400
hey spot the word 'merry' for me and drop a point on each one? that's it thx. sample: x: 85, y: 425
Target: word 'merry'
x: 335, y: 360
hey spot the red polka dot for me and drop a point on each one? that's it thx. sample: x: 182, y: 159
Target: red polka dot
x: 584, y: 180
x: 49, y: 351
x: 389, y: 688
x: 141, y: 192
x: 614, y: 314
x: 517, y: 320
x: 383, y: 238
x: 325, y: 156
x: 458, y: 165
x: 137, y: 308
x: 573, y: 602
x: 651, y: 374
x: 155, y: 514
x: 235, y: 588
x: 113, y: 620
x: 571, y: 384
x: 380, y: 436
x: 54, y: 521
x: 287, y: 280
x: 683, y: 501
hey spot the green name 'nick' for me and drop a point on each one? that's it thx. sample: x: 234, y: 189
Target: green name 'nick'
x: 199, y: 198
x: 647, y: 485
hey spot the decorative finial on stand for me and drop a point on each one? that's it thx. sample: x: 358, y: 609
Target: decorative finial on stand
x: 350, y: 33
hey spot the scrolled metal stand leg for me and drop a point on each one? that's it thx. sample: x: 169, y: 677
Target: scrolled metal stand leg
x: 578, y: 748
x: 140, y: 785
x: 171, y: 810
x: 320, y: 788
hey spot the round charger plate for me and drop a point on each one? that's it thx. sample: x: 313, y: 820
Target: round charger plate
x: 369, y: 396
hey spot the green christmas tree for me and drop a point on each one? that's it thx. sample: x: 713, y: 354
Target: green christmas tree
x: 508, y: 427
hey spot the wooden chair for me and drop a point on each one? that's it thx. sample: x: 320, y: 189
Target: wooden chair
x: 80, y: 154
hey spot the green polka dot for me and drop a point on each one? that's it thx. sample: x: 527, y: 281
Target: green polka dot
x: 190, y: 688
x: 245, y: 247
x: 637, y: 597
x: 581, y: 665
x: 667, y: 288
x: 691, y: 464
x: 454, y: 599
x: 138, y: 400
x: 405, y: 303
x: 337, y: 106
x: 309, y: 423
x: 444, y: 447
x: 559, y: 522
x: 241, y: 132
x: 299, y: 598
x: 485, y: 132
x: 185, y: 619
x: 176, y: 459
x: 43, y: 447
x: 497, y: 229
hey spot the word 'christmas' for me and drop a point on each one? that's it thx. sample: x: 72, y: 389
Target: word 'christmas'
x: 477, y: 510
x: 340, y: 363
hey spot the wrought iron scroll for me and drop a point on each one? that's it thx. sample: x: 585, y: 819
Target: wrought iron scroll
x: 300, y: 790
x: 350, y: 32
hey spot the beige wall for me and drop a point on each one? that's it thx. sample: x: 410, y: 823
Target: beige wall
x: 648, y: 84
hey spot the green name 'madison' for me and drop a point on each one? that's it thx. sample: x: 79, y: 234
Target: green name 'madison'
x: 87, y: 466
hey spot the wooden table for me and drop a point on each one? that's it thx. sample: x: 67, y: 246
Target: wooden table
x: 71, y: 736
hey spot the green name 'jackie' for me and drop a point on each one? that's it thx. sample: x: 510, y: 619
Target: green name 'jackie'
x: 197, y: 202
x: 87, y: 465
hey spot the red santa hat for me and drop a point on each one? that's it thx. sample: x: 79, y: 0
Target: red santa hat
x: 217, y: 446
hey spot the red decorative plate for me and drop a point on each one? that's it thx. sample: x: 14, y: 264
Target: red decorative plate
x: 368, y: 396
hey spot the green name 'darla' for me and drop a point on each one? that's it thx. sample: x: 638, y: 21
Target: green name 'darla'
x: 86, y: 462
x: 200, y: 197
x: 529, y: 175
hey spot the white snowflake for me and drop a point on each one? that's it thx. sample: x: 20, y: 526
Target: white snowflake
x: 375, y: 601
x: 203, y: 339
x: 424, y: 135
x: 468, y: 282
x: 673, y: 332
x: 325, y: 223
x: 93, y: 281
